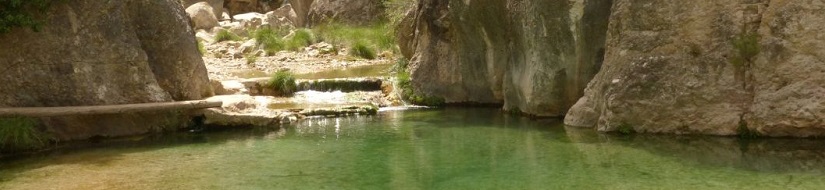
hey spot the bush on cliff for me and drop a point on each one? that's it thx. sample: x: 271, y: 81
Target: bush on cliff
x: 20, y: 133
x: 408, y: 94
x: 17, y: 13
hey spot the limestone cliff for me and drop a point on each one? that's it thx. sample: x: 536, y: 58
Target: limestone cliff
x: 533, y: 56
x: 92, y: 52
x: 710, y: 67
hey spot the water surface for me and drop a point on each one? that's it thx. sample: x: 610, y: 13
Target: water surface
x: 425, y: 149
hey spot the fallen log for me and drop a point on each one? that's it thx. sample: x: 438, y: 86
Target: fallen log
x: 107, y: 109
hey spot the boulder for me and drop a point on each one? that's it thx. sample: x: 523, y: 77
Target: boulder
x: 85, y: 55
x: 353, y: 12
x: 202, y: 16
x: 283, y: 17
x: 217, y: 5
x: 534, y: 57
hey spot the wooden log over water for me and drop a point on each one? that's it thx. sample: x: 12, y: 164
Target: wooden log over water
x: 107, y: 109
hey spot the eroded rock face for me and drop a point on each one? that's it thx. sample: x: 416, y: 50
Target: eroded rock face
x: 682, y: 67
x: 534, y: 57
x: 104, y: 52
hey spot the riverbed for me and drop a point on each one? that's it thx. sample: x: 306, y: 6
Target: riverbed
x: 423, y: 149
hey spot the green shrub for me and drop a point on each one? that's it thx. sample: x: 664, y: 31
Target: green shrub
x: 745, y: 132
x: 396, y: 10
x: 201, y: 48
x: 302, y: 38
x: 746, y: 47
x: 625, y: 129
x: 20, y: 133
x: 225, y: 35
x: 408, y: 94
x: 401, y: 65
x: 360, y: 50
x: 283, y: 82
x: 270, y: 40
x: 18, y: 13
x: 251, y: 58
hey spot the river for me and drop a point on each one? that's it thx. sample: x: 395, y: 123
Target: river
x: 423, y: 149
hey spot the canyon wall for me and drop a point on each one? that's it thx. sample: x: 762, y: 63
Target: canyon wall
x: 534, y: 57
x: 91, y: 52
x: 710, y: 67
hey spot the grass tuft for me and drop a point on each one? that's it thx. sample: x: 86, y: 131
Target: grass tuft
x: 225, y: 35
x: 360, y: 50
x: 378, y: 36
x: 20, y: 133
x: 270, y: 40
x: 251, y: 58
x: 283, y: 82
x: 302, y: 38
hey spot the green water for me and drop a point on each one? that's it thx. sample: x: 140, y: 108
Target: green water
x: 425, y: 149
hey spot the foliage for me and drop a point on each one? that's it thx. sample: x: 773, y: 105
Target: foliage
x: 396, y: 10
x: 625, y: 129
x: 283, y: 82
x: 201, y: 48
x: 17, y: 13
x: 302, y: 38
x: 225, y: 35
x: 401, y: 65
x: 362, y: 51
x: 408, y: 93
x: 745, y: 132
x: 251, y: 58
x: 746, y: 47
x: 20, y: 133
x: 270, y: 40
x: 378, y: 36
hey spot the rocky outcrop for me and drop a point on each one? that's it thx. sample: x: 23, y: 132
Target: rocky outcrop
x: 696, y: 68
x: 93, y: 52
x: 534, y: 57
x: 202, y: 16
x: 353, y: 12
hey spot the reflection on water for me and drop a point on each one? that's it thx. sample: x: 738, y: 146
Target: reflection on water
x: 426, y: 149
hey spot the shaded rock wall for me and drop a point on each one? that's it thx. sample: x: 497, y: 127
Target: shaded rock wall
x: 93, y: 52
x: 532, y: 56
x: 678, y: 67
